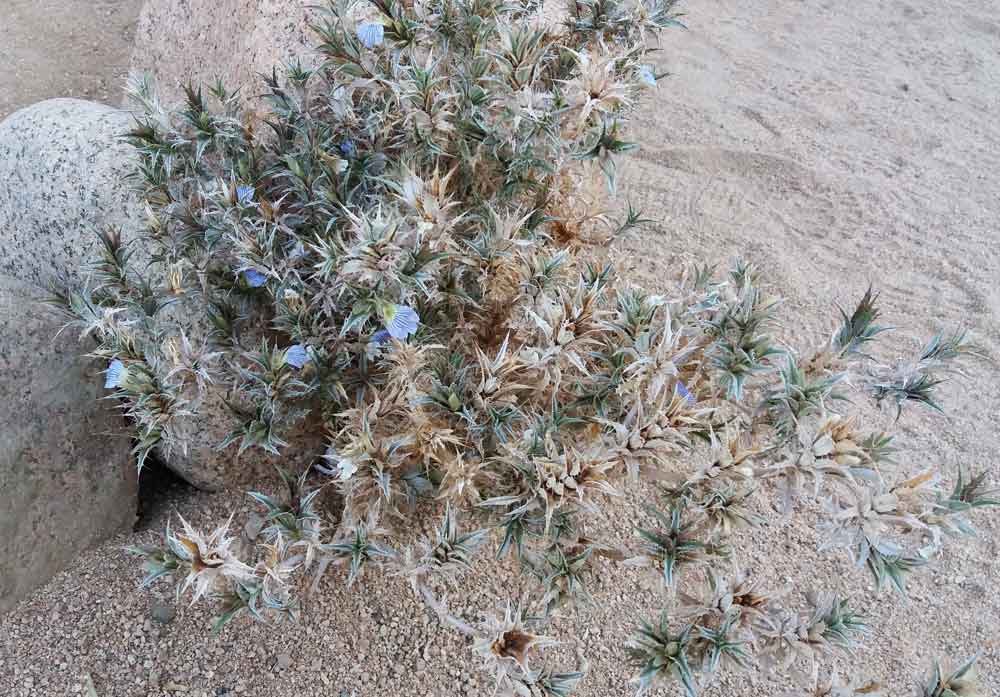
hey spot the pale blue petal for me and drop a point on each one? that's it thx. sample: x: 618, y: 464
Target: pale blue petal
x: 254, y: 278
x: 683, y: 391
x: 404, y: 322
x: 244, y: 194
x: 376, y: 342
x: 296, y: 356
x: 371, y: 34
x: 348, y: 148
x: 647, y: 76
x: 115, y: 374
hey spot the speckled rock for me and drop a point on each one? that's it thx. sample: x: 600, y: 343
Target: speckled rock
x: 199, y: 40
x: 62, y: 177
x: 207, y: 467
x: 66, y: 478
x: 61, y: 180
x: 192, y: 449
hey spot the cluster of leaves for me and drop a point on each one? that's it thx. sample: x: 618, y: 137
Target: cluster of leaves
x: 734, y: 621
x: 399, y: 256
x: 792, y: 439
x: 963, y: 681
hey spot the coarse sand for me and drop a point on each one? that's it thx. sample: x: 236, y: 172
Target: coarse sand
x: 835, y: 145
x: 64, y: 48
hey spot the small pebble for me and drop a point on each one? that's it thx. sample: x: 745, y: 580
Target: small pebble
x: 163, y: 613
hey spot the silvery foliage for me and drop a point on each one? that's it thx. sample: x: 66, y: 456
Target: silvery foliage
x: 402, y: 255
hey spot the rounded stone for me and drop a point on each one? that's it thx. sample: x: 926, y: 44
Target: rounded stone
x: 162, y: 612
x: 64, y: 175
x: 63, y: 172
x: 66, y: 478
x: 202, y: 463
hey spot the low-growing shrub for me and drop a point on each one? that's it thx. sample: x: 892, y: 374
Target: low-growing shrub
x: 408, y: 254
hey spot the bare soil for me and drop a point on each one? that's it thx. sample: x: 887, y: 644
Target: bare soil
x: 64, y: 48
x: 836, y: 145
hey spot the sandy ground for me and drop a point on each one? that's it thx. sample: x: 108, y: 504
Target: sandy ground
x: 835, y: 144
x: 64, y: 48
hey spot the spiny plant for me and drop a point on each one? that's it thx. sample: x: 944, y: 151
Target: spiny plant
x: 961, y: 682
x: 402, y: 256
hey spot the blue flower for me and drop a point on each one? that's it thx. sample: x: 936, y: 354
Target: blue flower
x: 403, y: 321
x: 647, y: 76
x: 371, y: 34
x: 254, y: 278
x: 683, y: 391
x: 376, y: 342
x: 115, y: 374
x: 348, y: 148
x: 296, y: 356
x: 244, y: 194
